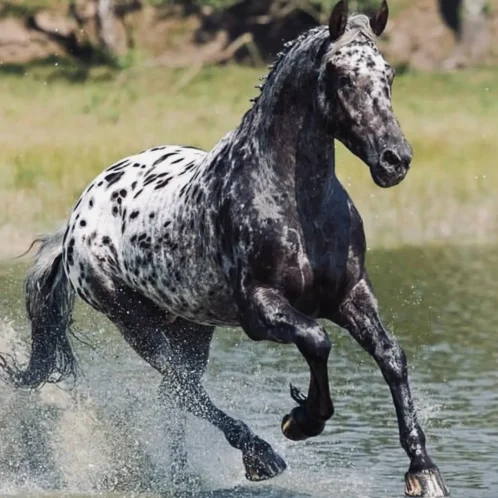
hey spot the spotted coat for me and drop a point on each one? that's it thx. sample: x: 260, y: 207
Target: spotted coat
x: 190, y: 229
x: 258, y: 232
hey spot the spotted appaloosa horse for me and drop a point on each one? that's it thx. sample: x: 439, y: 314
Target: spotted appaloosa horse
x: 258, y: 232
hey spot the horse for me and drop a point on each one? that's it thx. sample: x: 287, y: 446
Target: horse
x: 257, y: 233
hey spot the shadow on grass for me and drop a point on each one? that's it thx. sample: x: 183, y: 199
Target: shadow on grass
x: 62, y: 68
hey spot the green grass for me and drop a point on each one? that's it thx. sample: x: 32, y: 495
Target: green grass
x: 24, y: 8
x: 56, y: 135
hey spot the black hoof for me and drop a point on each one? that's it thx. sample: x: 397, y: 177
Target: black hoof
x: 427, y: 483
x: 298, y: 425
x: 261, y: 462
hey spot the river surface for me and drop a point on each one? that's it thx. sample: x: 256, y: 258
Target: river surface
x: 107, y: 435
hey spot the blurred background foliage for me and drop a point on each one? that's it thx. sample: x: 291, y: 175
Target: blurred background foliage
x: 85, y: 82
x: 426, y: 34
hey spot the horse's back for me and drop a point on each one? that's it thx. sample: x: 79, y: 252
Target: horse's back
x: 143, y: 222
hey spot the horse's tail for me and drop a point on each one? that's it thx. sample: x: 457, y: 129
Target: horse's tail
x: 49, y: 304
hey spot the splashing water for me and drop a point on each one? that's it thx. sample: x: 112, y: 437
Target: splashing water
x: 109, y: 434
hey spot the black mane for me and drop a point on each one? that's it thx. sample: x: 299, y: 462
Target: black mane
x: 274, y: 67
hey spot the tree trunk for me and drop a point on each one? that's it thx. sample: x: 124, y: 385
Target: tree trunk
x: 471, y: 30
x: 106, y: 21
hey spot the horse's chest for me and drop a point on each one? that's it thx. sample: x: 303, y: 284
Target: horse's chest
x: 338, y: 251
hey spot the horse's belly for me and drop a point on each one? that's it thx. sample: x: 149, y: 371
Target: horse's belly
x: 199, y: 294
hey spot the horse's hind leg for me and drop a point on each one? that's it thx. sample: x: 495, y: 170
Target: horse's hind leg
x: 142, y: 324
x: 359, y: 315
x: 190, y: 349
x: 179, y: 351
x: 189, y: 346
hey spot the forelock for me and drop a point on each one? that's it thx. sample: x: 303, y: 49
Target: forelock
x: 358, y: 24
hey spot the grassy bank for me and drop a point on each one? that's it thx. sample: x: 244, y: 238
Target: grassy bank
x: 57, y: 134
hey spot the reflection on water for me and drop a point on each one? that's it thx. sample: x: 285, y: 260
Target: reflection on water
x: 109, y: 434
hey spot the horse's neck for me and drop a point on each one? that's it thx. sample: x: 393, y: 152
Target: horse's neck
x: 297, y: 155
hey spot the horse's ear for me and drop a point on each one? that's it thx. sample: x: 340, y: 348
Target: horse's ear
x: 338, y: 20
x: 379, y: 20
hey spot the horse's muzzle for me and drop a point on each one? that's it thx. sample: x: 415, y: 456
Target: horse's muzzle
x: 392, y: 167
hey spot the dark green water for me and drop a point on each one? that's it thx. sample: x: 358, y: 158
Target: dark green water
x: 108, y: 434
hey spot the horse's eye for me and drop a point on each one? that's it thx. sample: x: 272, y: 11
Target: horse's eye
x: 344, y: 81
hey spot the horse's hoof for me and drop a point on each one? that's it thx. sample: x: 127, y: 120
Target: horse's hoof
x: 261, y: 461
x: 427, y: 483
x: 298, y: 425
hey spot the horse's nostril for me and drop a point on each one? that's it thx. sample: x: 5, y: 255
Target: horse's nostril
x: 390, y: 158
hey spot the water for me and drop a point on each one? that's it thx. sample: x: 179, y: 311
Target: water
x: 108, y: 434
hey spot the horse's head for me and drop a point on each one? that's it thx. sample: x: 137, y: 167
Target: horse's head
x: 356, y: 95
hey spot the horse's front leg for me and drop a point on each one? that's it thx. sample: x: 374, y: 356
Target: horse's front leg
x: 267, y: 315
x: 359, y: 315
